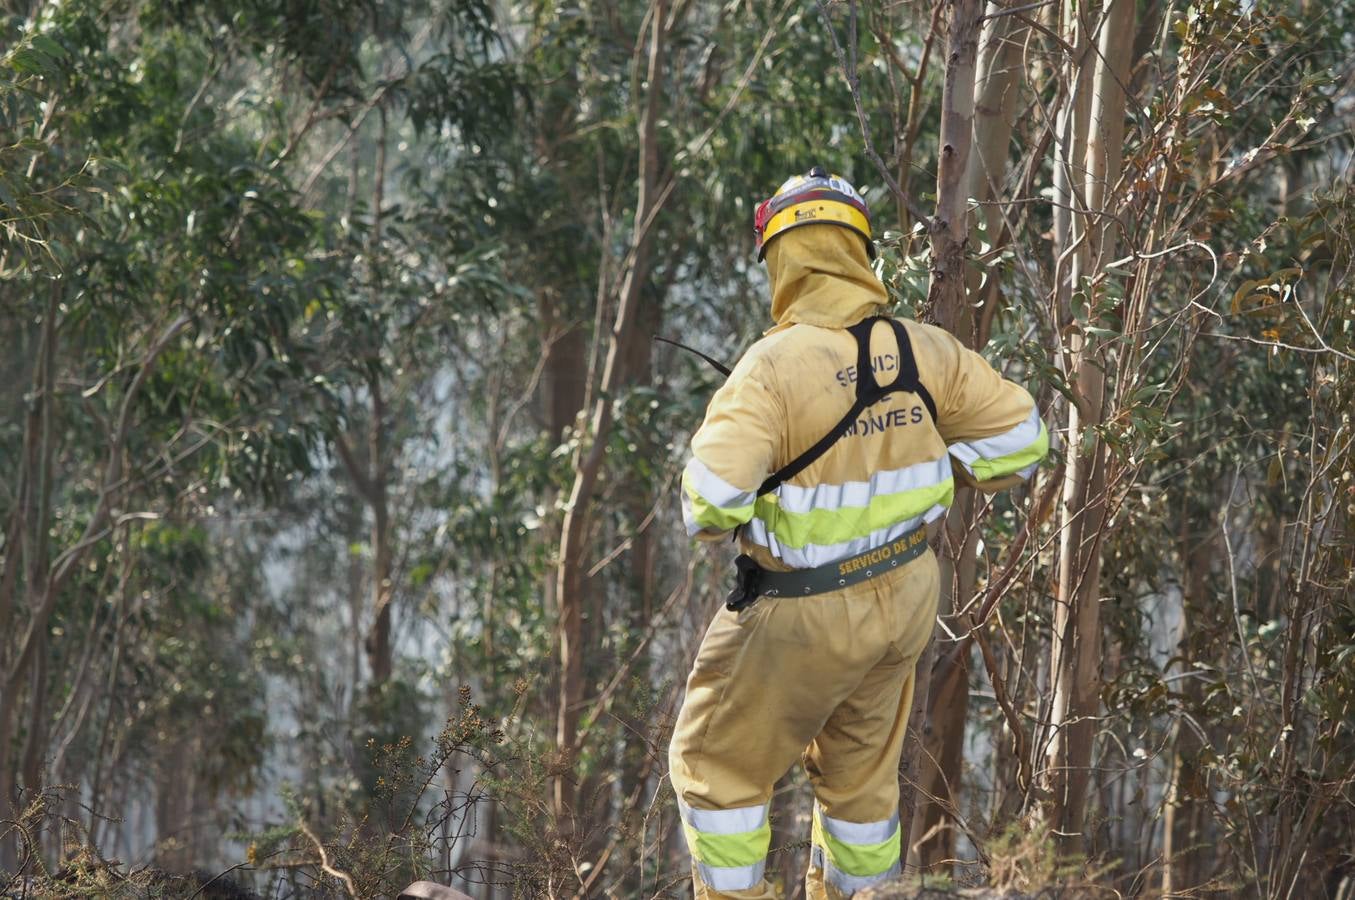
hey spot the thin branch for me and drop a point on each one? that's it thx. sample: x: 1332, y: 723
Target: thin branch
x: 1025, y: 777
x: 681, y: 591
x: 850, y: 76
x: 1016, y: 10
x: 639, y: 529
x: 324, y: 862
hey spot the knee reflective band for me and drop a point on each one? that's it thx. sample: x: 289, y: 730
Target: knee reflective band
x: 728, y: 845
x: 856, y: 855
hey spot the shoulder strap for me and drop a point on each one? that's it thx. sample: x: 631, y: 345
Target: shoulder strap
x: 868, y: 392
x: 908, y: 379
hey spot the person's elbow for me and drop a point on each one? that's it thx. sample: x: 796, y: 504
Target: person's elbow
x: 712, y: 508
x: 1004, y: 460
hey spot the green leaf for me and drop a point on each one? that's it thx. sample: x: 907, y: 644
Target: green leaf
x: 48, y: 46
x: 29, y: 61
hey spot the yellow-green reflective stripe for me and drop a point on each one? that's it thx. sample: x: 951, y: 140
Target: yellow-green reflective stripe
x: 985, y: 469
x: 729, y: 850
x: 833, y: 526
x: 857, y: 859
x: 709, y: 515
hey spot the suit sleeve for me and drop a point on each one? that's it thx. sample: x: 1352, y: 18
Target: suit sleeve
x: 991, y: 427
x: 732, y: 454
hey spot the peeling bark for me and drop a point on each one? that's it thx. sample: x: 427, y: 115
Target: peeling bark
x: 996, y: 85
x: 948, y: 300
x: 1076, y: 647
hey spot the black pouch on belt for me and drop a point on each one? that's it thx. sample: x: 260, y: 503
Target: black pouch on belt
x: 745, y: 591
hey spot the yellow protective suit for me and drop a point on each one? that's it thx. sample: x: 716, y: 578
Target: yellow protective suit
x: 828, y: 677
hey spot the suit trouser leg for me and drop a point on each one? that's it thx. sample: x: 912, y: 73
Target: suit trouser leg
x: 853, y: 762
x: 723, y: 800
x: 747, y: 717
x: 769, y: 681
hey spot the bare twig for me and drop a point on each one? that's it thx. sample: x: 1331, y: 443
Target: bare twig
x: 681, y: 591
x: 639, y: 529
x: 1016, y: 10
x: 850, y: 76
x: 217, y: 877
x: 324, y: 862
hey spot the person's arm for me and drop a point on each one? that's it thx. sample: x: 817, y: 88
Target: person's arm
x: 732, y: 455
x: 990, y: 425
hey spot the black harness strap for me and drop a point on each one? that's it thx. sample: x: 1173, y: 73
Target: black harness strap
x: 869, y: 391
x: 748, y: 574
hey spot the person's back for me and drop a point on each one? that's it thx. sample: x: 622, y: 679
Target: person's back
x: 837, y: 593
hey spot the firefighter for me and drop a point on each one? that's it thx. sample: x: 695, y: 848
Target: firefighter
x: 835, y: 441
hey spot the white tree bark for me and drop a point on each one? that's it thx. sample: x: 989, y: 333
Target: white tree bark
x: 1075, y: 649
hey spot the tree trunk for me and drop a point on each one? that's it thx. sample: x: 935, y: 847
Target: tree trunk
x: 1076, y: 645
x: 378, y: 643
x: 174, y: 807
x: 1182, y: 815
x: 34, y: 530
x: 996, y: 88
x: 571, y: 575
x: 564, y: 380
x: 564, y: 372
x: 636, y: 751
x: 374, y: 485
x: 947, y: 299
x: 1070, y: 148
x: 950, y: 228
x: 786, y: 866
x: 948, y: 698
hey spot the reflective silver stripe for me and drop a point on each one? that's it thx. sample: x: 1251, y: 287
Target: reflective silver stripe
x: 849, y: 884
x: 715, y: 490
x: 859, y: 832
x: 1013, y: 440
x: 689, y: 515
x: 724, y: 821
x: 811, y: 555
x: 793, y: 498
x: 739, y: 878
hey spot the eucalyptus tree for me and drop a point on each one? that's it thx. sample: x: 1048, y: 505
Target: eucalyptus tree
x: 175, y: 302
x: 1116, y: 356
x: 158, y: 278
x: 1089, y: 70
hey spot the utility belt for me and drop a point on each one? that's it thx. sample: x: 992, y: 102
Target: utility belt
x: 752, y: 581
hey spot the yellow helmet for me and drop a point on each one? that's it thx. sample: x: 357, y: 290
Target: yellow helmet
x: 814, y: 198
